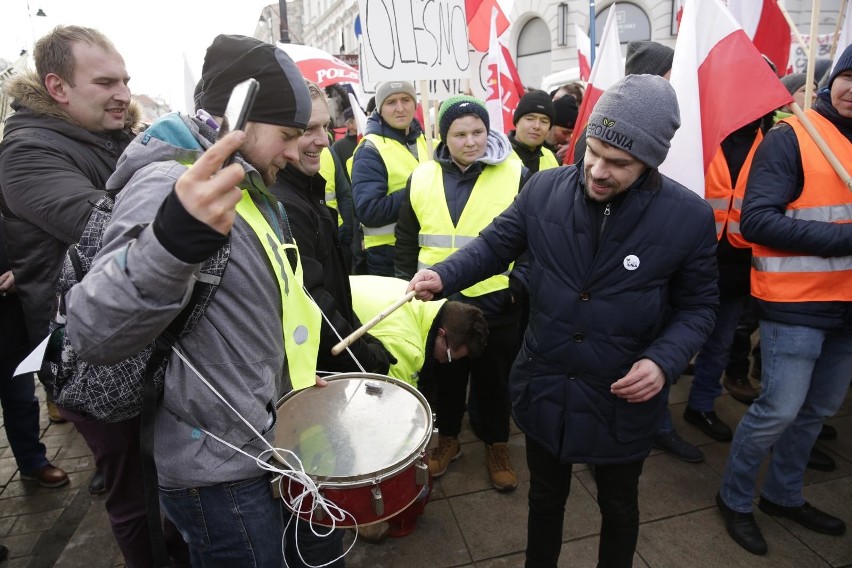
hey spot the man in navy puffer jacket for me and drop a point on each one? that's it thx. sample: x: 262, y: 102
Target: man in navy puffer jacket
x: 622, y: 285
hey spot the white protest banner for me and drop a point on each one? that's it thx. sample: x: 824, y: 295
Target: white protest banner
x: 413, y: 40
x: 799, y: 59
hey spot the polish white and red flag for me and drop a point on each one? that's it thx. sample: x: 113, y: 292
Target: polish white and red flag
x: 764, y: 23
x: 714, y: 60
x: 607, y: 70
x: 584, y: 52
x: 504, y: 84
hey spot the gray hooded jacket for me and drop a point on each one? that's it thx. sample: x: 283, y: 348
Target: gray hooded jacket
x: 135, y: 288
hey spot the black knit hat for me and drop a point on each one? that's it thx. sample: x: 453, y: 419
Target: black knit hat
x: 844, y: 63
x: 565, y: 111
x: 282, y: 99
x: 648, y: 58
x: 458, y: 106
x: 534, y: 101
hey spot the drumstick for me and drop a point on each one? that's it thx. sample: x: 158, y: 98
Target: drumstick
x: 352, y: 337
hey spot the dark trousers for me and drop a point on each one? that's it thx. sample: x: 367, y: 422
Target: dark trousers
x: 618, y: 499
x: 17, y: 394
x: 489, y: 390
x: 741, y: 347
x: 116, y: 450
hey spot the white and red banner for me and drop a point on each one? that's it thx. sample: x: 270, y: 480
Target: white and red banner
x: 714, y: 58
x: 607, y: 70
x: 479, y: 22
x: 504, y: 85
x: 798, y: 62
x: 584, y: 52
x: 320, y: 66
x: 764, y: 23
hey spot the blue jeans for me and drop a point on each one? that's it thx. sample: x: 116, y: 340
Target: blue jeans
x: 714, y: 354
x: 240, y: 524
x: 806, y: 375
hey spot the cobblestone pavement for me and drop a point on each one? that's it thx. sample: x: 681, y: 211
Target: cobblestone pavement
x: 468, y: 524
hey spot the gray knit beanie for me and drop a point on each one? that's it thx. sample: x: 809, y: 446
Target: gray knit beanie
x: 648, y: 57
x: 639, y: 115
x: 389, y: 88
x: 793, y: 82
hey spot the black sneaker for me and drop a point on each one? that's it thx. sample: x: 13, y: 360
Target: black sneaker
x: 708, y: 423
x: 806, y: 515
x: 828, y: 432
x: 821, y: 461
x: 674, y: 445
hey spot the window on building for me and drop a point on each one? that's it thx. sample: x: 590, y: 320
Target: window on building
x: 534, y: 47
x: 632, y: 21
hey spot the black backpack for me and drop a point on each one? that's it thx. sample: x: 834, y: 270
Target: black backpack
x: 113, y: 393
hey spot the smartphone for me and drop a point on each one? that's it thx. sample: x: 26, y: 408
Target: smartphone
x: 236, y: 113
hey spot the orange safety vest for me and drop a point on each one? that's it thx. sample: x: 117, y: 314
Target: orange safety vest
x: 784, y: 276
x: 727, y: 201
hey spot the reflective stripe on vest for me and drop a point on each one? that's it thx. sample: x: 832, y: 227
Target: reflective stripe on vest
x: 405, y: 331
x: 784, y: 276
x: 494, y: 190
x: 300, y: 317
x: 727, y: 201
x: 328, y: 171
x: 399, y: 163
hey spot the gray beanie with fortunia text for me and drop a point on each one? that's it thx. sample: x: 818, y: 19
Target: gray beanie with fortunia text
x: 639, y: 115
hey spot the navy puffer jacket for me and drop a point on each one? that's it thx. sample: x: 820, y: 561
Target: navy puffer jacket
x: 649, y: 292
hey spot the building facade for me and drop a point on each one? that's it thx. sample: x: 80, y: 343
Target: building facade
x: 541, y: 36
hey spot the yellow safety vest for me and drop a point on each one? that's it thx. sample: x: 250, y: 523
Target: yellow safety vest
x: 399, y: 162
x: 494, y: 190
x: 300, y: 317
x: 404, y: 331
x: 328, y: 173
x: 545, y: 162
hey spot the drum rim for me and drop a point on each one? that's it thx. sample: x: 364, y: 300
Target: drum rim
x: 391, y: 470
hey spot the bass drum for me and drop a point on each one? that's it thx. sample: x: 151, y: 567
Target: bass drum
x: 362, y: 439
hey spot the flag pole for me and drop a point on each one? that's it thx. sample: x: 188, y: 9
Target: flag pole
x: 822, y: 145
x: 592, y: 33
x: 427, y: 124
x: 795, y: 30
x: 809, y: 77
x: 840, y: 17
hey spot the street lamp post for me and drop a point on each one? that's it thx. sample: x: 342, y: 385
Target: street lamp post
x: 282, y: 11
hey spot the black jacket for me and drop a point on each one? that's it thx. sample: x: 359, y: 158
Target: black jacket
x: 648, y: 291
x: 51, y: 173
x: 777, y: 179
x: 314, y: 228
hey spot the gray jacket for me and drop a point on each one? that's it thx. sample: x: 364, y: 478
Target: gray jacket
x: 136, y: 287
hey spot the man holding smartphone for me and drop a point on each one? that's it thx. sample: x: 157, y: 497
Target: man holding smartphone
x: 179, y: 211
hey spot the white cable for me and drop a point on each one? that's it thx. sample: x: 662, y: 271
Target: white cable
x: 298, y: 505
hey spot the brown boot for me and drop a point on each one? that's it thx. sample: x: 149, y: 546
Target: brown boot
x: 503, y: 477
x: 448, y: 450
x: 53, y: 414
x: 741, y: 388
x: 48, y: 476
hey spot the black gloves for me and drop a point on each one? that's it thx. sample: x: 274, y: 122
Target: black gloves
x: 374, y: 357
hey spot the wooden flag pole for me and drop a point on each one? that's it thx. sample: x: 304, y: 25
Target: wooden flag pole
x: 822, y: 145
x: 840, y: 17
x: 795, y: 31
x: 809, y: 77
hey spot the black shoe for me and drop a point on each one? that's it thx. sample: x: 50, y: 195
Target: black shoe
x: 674, y: 445
x: 708, y: 423
x: 820, y: 461
x: 4, y: 553
x: 828, y: 432
x: 741, y: 388
x: 742, y: 527
x: 806, y: 515
x: 97, y: 485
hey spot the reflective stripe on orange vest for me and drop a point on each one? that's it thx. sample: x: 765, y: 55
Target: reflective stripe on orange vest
x: 783, y: 276
x: 727, y: 201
